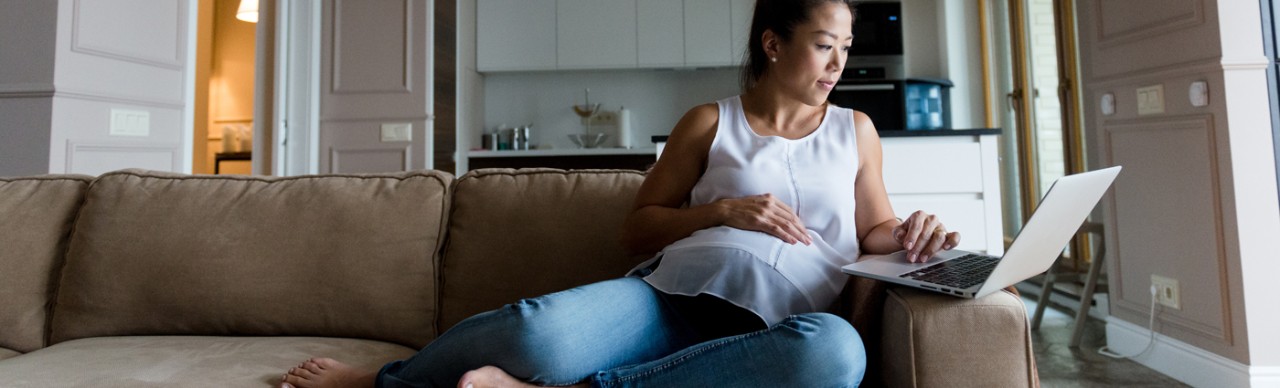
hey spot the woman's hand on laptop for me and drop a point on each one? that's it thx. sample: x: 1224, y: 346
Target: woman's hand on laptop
x: 923, y: 236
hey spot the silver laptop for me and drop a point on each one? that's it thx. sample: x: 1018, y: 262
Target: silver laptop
x: 974, y: 275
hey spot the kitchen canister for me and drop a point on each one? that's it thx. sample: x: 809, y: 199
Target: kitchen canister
x: 624, y: 128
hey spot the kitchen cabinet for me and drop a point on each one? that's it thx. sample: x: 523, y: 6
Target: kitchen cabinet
x: 740, y: 28
x: 660, y: 33
x: 595, y: 34
x: 516, y: 35
x: 707, y: 36
x: 524, y: 35
x: 955, y: 177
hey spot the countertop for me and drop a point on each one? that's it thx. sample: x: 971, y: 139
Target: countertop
x: 901, y: 133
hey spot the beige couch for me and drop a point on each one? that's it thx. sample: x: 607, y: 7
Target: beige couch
x: 139, y: 278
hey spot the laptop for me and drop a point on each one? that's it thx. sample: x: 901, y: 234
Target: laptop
x: 974, y: 275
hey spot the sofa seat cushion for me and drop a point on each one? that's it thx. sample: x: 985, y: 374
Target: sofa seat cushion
x: 185, y: 361
x: 7, y: 353
x: 934, y: 340
x: 349, y: 256
x: 36, y: 215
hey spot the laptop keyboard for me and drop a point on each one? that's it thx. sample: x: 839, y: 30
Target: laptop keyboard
x: 962, y: 272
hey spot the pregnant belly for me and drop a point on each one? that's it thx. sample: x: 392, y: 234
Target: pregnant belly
x: 763, y: 246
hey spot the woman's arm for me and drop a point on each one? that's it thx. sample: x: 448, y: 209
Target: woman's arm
x: 657, y: 219
x: 879, y: 231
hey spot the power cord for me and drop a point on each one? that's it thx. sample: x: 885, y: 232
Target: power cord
x: 1151, y: 327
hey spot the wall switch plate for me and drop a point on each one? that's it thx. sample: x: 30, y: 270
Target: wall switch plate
x: 126, y: 122
x: 393, y: 132
x: 604, y: 117
x: 1167, y: 292
x: 1151, y: 100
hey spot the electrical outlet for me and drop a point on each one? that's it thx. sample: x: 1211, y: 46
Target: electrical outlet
x: 604, y: 117
x: 1167, y: 292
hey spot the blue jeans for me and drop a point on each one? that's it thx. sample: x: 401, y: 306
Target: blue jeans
x: 625, y: 333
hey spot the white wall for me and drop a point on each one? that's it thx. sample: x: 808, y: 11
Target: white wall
x: 656, y: 98
x: 65, y: 65
x: 122, y: 54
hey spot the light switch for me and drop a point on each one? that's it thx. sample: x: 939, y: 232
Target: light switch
x: 1151, y: 100
x: 392, y: 132
x: 125, y: 122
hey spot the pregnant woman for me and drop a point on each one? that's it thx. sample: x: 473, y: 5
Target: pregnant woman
x: 756, y: 203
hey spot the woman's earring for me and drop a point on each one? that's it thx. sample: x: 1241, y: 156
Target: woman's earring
x: 774, y: 59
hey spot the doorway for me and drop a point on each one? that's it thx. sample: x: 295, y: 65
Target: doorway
x: 224, y: 87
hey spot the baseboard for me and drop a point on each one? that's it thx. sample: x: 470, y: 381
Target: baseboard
x: 1188, y: 364
x: 1265, y: 376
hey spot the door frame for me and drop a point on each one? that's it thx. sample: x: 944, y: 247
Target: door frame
x: 296, y: 104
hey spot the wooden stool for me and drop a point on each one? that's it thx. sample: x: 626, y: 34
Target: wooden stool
x: 1086, y: 295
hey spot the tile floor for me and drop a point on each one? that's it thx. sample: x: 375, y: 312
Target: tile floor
x: 1063, y: 366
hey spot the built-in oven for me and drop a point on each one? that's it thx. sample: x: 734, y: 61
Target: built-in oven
x: 879, y: 100
x: 903, y: 104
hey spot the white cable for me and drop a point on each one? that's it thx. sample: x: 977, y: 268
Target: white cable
x: 1151, y: 327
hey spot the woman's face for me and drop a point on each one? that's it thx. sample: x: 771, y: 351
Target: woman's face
x: 810, y: 63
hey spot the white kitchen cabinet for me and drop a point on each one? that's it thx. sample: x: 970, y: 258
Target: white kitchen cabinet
x: 707, y: 36
x: 515, y: 35
x: 660, y: 33
x: 955, y: 177
x: 596, y: 34
x: 740, y: 32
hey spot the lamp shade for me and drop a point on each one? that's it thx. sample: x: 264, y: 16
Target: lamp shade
x: 248, y: 11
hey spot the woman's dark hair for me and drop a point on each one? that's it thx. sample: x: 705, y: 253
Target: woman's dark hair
x: 782, y: 17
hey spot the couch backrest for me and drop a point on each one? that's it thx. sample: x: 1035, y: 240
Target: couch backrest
x: 36, y: 214
x: 342, y: 256
x: 522, y: 233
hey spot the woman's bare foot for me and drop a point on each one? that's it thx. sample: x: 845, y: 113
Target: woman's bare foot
x: 326, y: 373
x: 493, y: 377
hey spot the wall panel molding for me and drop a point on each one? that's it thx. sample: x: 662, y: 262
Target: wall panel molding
x: 401, y: 154
x: 169, y: 60
x: 26, y: 90
x: 1199, y: 126
x: 118, y: 99
x: 404, y: 85
x: 1181, y: 16
x: 94, y: 158
x: 1193, y: 67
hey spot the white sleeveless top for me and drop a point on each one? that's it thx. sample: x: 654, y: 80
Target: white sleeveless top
x: 814, y: 175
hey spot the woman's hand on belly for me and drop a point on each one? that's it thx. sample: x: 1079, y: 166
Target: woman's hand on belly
x: 765, y: 213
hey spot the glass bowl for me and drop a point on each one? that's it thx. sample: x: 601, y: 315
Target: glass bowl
x: 591, y: 140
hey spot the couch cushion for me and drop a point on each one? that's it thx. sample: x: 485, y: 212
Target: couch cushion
x: 36, y: 214
x: 934, y: 340
x: 185, y: 361
x: 521, y: 233
x: 8, y: 353
x: 330, y: 256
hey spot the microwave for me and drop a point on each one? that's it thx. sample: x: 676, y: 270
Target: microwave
x: 903, y: 104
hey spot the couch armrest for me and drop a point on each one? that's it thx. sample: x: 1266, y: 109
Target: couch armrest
x: 932, y: 340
